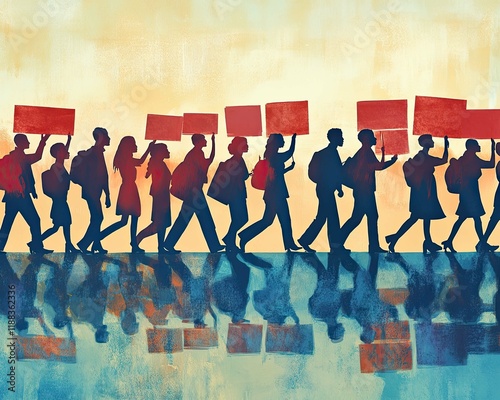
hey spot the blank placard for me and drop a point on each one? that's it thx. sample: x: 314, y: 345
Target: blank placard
x: 287, y: 118
x: 481, y: 124
x: 44, y: 120
x: 200, y: 123
x: 163, y: 127
x: 394, y: 141
x: 243, y: 121
x: 439, y: 116
x: 45, y: 348
x: 382, y: 114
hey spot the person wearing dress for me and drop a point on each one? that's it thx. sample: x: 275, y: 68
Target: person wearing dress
x: 495, y: 216
x: 128, y: 203
x: 161, y: 217
x: 470, y: 205
x: 238, y: 173
x: 58, y: 180
x: 275, y: 194
x: 424, y: 202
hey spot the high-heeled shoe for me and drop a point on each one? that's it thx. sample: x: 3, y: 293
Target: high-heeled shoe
x: 69, y: 248
x: 391, y: 241
x: 448, y: 245
x: 292, y: 247
x: 38, y: 250
x: 306, y: 247
x: 430, y: 247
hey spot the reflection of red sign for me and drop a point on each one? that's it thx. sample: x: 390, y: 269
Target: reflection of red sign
x: 44, y: 120
x: 45, y: 348
x: 438, y: 116
x: 244, y: 338
x: 394, y: 141
x: 385, y: 356
x: 481, y: 124
x: 382, y: 114
x: 200, y: 123
x: 163, y: 127
x: 287, y: 118
x: 392, y: 330
x: 243, y: 121
x: 200, y: 338
x: 393, y: 296
x: 164, y: 340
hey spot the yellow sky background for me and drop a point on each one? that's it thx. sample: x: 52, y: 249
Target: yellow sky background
x: 117, y: 61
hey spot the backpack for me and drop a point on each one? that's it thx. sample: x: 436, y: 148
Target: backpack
x: 78, y: 170
x: 453, y: 176
x: 259, y: 174
x: 220, y: 188
x: 411, y: 178
x: 10, y: 175
x: 349, y: 172
x: 314, y: 170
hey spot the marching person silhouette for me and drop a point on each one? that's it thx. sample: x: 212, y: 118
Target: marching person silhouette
x: 194, y: 176
x: 495, y: 216
x: 325, y: 170
x: 365, y: 164
x: 238, y: 174
x: 55, y: 183
x: 470, y: 205
x: 424, y: 202
x: 22, y: 201
x: 129, y: 202
x: 94, y: 182
x: 275, y: 194
x: 161, y: 217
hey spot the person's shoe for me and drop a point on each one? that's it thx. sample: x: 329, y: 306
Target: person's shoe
x: 293, y: 247
x: 98, y: 249
x: 137, y: 250
x: 430, y: 247
x: 69, y: 248
x: 391, y: 241
x: 339, y: 248
x: 306, y: 246
x: 220, y: 247
x: 171, y: 250
x: 448, y: 245
x: 243, y: 244
x: 38, y: 250
x: 483, y: 247
x: 83, y: 250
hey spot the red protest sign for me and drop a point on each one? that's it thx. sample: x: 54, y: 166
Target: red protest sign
x: 200, y: 123
x: 163, y: 127
x: 44, y: 120
x: 287, y: 118
x: 382, y: 114
x: 395, y: 141
x: 243, y: 121
x: 439, y: 116
x: 481, y: 124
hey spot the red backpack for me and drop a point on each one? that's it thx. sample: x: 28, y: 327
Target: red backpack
x: 259, y: 174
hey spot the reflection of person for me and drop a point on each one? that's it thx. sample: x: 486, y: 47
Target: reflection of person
x: 325, y: 170
x: 23, y: 202
x: 470, y: 205
x: 275, y: 194
x: 129, y: 202
x: 160, y: 192
x: 237, y: 189
x: 424, y: 202
x: 325, y: 303
x: 92, y: 190
x: 196, y: 203
x: 495, y: 216
x: 364, y: 191
x: 58, y: 180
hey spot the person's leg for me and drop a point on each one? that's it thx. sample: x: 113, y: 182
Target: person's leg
x: 239, y: 217
x: 448, y: 244
x: 149, y: 230
x: 479, y: 228
x: 283, y: 212
x: 258, y: 227
x: 11, y: 210
x: 180, y: 225
x: 393, y: 239
x: 332, y: 221
x: 427, y: 230
x: 495, y: 217
x: 317, y: 224
x: 372, y: 219
x: 356, y: 217
x: 29, y: 213
x: 92, y: 235
x: 133, y: 234
x: 207, y: 223
x: 114, y: 227
x: 49, y: 232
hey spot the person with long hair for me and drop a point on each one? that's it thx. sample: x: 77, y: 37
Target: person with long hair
x: 470, y: 205
x: 238, y: 174
x: 424, y: 202
x: 161, y: 217
x: 275, y: 194
x: 129, y: 202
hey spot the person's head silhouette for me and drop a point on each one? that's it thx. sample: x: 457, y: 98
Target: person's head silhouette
x: 59, y: 152
x: 159, y: 151
x: 472, y: 145
x: 199, y: 140
x: 367, y: 137
x: 21, y: 141
x: 335, y: 137
x: 238, y: 146
x: 426, y: 141
x: 124, y: 152
x: 101, y: 137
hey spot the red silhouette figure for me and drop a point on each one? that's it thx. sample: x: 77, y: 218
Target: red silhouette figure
x: 161, y: 217
x: 128, y: 203
x: 55, y: 184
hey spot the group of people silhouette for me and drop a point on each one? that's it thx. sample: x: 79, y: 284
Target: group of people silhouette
x: 326, y: 170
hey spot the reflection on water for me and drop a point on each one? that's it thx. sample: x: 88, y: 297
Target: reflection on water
x: 230, y: 326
